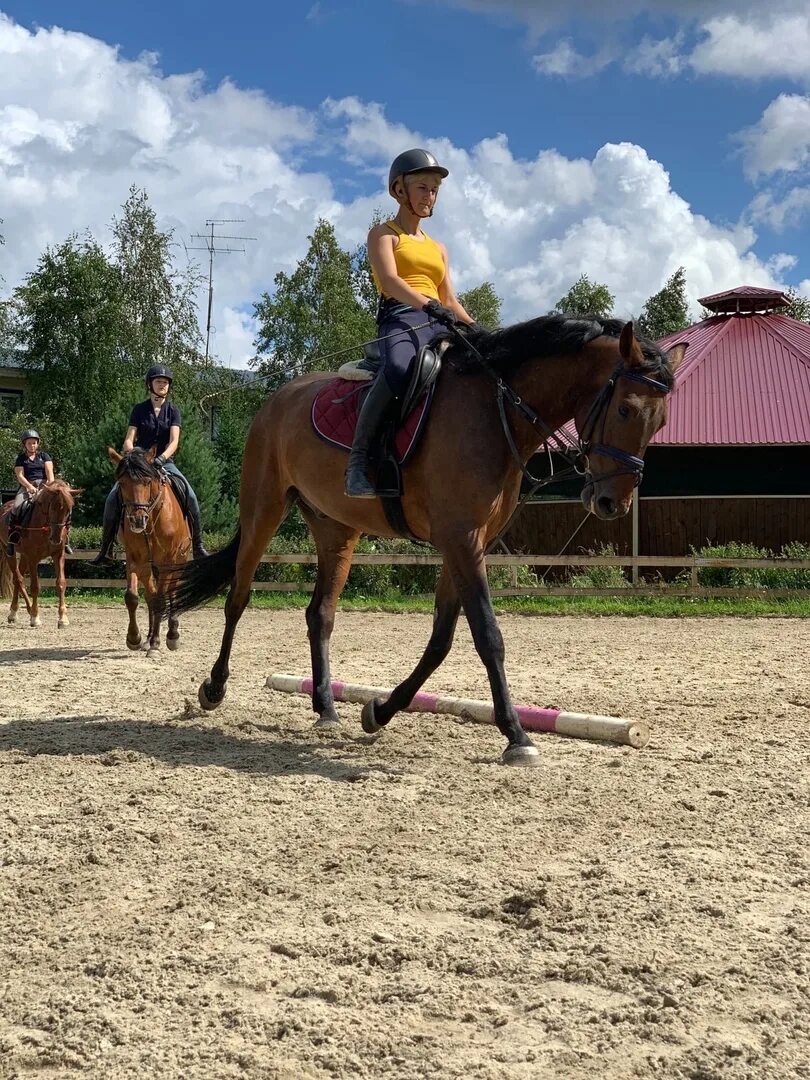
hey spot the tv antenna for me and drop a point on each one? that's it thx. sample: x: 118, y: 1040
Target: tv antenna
x: 212, y: 243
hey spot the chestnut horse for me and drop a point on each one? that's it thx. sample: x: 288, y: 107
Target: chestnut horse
x: 153, y: 531
x: 43, y: 536
x: 461, y: 486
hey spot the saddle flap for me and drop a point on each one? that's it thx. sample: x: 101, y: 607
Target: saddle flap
x: 424, y: 373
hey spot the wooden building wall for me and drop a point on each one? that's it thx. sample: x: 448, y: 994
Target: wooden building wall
x: 667, y: 526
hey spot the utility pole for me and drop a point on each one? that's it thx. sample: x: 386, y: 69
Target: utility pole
x: 210, y: 243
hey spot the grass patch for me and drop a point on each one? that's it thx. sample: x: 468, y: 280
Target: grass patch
x: 659, y: 606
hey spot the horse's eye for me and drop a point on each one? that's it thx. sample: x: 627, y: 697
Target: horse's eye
x: 624, y: 412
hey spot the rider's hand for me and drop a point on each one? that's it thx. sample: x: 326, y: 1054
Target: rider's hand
x: 441, y: 314
x: 160, y: 461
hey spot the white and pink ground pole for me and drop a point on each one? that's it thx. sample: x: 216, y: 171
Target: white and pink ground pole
x: 553, y: 721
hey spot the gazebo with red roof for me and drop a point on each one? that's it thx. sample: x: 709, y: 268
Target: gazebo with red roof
x: 733, y: 462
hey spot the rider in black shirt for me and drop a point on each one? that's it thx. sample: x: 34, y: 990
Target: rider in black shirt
x: 32, y: 468
x: 153, y: 423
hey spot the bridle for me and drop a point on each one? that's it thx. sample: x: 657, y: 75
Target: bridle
x: 575, y: 452
x: 130, y: 508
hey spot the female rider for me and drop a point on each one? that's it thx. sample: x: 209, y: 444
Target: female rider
x: 412, y: 275
x: 32, y: 468
x: 154, y: 422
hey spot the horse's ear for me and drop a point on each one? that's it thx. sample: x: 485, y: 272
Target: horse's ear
x: 113, y: 455
x: 676, y: 354
x: 627, y: 341
x: 151, y: 454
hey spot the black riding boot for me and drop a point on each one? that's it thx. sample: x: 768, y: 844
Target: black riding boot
x: 373, y: 412
x: 197, y: 549
x: 112, y: 519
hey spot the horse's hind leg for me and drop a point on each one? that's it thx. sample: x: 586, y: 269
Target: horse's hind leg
x: 445, y: 616
x: 335, y: 543
x: 268, y: 511
x: 59, y: 564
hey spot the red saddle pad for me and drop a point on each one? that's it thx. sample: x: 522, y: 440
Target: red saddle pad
x: 336, y: 408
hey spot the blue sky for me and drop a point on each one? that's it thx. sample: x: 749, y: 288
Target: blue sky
x: 671, y: 133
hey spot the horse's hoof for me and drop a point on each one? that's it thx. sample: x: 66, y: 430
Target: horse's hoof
x: 172, y: 644
x: 521, y: 755
x: 12, y: 617
x: 369, y: 720
x: 134, y: 646
x: 63, y: 623
x: 210, y: 702
x: 153, y: 653
x: 327, y: 722
x: 35, y: 620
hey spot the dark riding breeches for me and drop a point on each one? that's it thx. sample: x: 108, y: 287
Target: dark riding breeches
x: 401, y: 342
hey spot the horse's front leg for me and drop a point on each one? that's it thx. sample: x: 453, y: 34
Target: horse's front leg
x: 445, y: 616
x: 59, y: 567
x: 34, y: 609
x: 173, y: 633
x: 131, y: 600
x: 464, y: 557
x: 150, y: 594
x: 17, y: 583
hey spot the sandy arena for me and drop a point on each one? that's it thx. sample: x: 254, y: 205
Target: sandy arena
x: 188, y: 895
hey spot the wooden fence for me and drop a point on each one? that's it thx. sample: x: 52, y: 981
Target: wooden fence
x: 692, y: 563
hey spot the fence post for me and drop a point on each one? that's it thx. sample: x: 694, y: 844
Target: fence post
x: 634, y: 571
x: 693, y: 578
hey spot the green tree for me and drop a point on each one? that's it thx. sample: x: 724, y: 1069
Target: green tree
x: 159, y: 316
x: 799, y: 306
x: 484, y: 304
x: 586, y: 297
x: 68, y: 317
x: 667, y: 311
x: 318, y: 309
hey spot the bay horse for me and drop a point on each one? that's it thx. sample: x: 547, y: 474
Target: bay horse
x: 43, y: 536
x: 153, y: 531
x: 461, y: 486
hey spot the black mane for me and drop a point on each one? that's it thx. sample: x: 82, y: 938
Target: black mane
x: 135, y: 465
x: 551, y: 335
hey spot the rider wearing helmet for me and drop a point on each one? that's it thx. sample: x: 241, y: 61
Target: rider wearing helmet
x: 412, y: 275
x: 33, y: 468
x: 153, y: 423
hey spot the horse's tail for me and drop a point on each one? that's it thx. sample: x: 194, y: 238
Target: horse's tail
x: 193, y: 583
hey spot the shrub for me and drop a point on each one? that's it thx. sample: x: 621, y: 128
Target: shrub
x: 600, y: 577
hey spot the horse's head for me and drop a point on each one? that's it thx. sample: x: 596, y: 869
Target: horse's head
x: 140, y: 483
x: 617, y: 426
x: 57, y: 500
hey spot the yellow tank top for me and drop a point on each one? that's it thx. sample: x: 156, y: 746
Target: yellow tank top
x: 419, y: 262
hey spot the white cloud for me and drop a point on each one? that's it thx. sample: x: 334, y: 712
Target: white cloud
x: 81, y: 123
x: 764, y: 44
x: 662, y: 59
x: 780, y: 141
x: 780, y: 213
x: 564, y: 60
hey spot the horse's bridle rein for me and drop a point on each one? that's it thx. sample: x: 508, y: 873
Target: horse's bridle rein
x: 575, y: 453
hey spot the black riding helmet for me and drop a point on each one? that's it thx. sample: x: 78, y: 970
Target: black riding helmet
x: 412, y: 161
x: 29, y: 433
x: 158, y: 371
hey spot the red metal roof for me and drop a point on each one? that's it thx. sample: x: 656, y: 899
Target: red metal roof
x: 745, y: 298
x: 745, y: 380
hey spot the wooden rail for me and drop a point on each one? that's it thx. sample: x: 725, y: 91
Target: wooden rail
x: 693, y: 563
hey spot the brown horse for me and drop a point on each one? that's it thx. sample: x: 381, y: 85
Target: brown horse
x: 153, y: 531
x: 461, y: 487
x: 43, y: 536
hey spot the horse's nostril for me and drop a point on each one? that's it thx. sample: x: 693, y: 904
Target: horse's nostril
x: 606, y: 505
